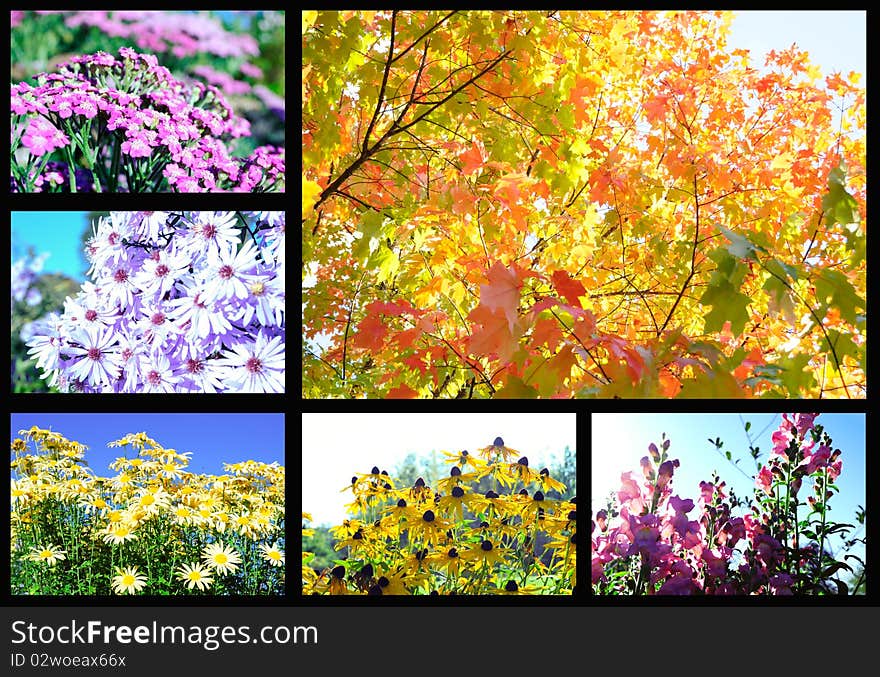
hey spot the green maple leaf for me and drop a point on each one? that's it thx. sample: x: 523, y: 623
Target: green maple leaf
x: 727, y: 305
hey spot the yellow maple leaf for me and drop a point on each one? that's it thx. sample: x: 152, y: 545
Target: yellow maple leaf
x: 310, y: 193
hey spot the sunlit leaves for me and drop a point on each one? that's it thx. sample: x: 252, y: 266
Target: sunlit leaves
x: 622, y: 163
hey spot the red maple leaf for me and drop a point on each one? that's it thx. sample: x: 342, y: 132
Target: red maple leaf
x: 370, y: 334
x: 569, y: 289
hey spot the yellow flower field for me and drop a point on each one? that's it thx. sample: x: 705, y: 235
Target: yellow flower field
x: 153, y: 528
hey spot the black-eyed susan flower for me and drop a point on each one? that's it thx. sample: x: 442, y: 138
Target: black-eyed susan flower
x: 221, y: 558
x: 49, y: 554
x: 485, y: 553
x: 272, y: 554
x: 194, y: 575
x: 511, y: 587
x: 337, y: 585
x: 128, y: 581
x: 447, y: 560
x: 549, y: 484
x: 497, y: 451
x: 463, y: 458
x: 456, y: 478
x: 429, y: 529
x: 455, y: 502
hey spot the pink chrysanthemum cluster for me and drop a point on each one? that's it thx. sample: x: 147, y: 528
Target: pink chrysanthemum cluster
x: 139, y: 128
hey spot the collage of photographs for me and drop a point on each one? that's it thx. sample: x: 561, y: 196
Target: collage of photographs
x: 148, y: 373
x: 644, y: 231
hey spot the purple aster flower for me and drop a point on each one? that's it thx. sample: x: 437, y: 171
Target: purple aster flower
x: 98, y: 364
x: 255, y: 366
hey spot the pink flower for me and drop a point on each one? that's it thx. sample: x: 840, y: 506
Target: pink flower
x: 764, y: 480
x: 43, y: 137
x: 665, y: 472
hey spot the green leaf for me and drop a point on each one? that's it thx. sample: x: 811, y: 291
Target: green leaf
x: 794, y: 375
x: 740, y: 246
x: 369, y: 226
x: 838, y: 205
x: 385, y: 261
x: 713, y: 384
x: 727, y: 305
x: 516, y: 389
x: 748, y: 426
x: 842, y: 344
x: 834, y: 288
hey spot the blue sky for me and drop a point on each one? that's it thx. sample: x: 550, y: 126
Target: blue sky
x: 214, y: 439
x: 59, y: 233
x: 619, y: 441
x: 835, y: 40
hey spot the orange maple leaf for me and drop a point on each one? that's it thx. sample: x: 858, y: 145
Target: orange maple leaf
x: 502, y: 292
x: 493, y: 336
x: 401, y: 392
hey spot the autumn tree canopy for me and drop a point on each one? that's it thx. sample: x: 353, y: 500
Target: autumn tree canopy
x: 576, y: 204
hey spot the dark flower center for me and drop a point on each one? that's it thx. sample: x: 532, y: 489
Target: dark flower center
x: 367, y: 571
x: 121, y: 275
x: 358, y: 535
x: 453, y: 553
x: 572, y: 515
x: 523, y: 492
x: 157, y: 318
x: 491, y: 494
x: 419, y: 482
x: 375, y: 590
x: 195, y: 366
x: 113, y: 238
x: 94, y: 354
x: 428, y: 516
x: 486, y: 545
x: 455, y: 472
x: 91, y: 315
x: 162, y: 270
x: 339, y: 572
x: 523, y: 461
x: 384, y: 582
x: 511, y: 586
x: 545, y: 472
x: 539, y: 496
x: 457, y: 492
x: 498, y: 442
x: 254, y: 365
x: 421, y: 554
x: 208, y: 231
x: 226, y: 272
x: 154, y: 378
x: 401, y: 503
x: 374, y: 470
